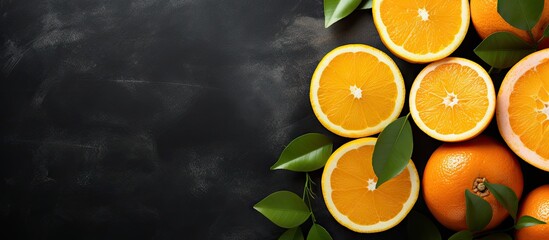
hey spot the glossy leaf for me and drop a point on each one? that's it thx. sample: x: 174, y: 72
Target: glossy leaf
x: 393, y: 150
x: 421, y: 227
x: 505, y: 196
x: 478, y: 213
x: 503, y: 49
x: 522, y: 14
x: 335, y: 10
x: 306, y: 153
x: 497, y: 236
x: 284, y: 208
x: 527, y: 221
x: 318, y: 232
x: 366, y: 4
x: 462, y: 235
x: 292, y: 234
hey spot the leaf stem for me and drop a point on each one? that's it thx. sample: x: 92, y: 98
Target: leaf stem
x: 531, y: 36
x: 306, y: 185
x: 491, y: 70
x: 308, y: 193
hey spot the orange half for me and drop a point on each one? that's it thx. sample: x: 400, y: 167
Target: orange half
x: 421, y: 31
x: 349, y: 189
x: 523, y: 109
x: 356, y: 90
x: 452, y: 99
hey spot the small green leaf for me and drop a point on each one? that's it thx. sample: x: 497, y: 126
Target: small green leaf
x: 284, y: 208
x: 292, y: 234
x: 478, y: 212
x: 521, y: 14
x: 505, y: 196
x: 503, y: 49
x: 306, y: 153
x: 497, y: 236
x: 318, y: 232
x: 335, y: 10
x: 462, y: 235
x: 393, y: 150
x: 421, y: 227
x: 365, y: 4
x: 527, y: 221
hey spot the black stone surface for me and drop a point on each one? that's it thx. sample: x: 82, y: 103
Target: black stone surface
x: 159, y: 119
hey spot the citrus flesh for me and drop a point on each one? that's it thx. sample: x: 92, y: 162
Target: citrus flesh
x: 421, y: 31
x: 356, y: 90
x: 456, y: 167
x: 536, y: 204
x: 523, y: 109
x: 350, y: 193
x: 452, y: 99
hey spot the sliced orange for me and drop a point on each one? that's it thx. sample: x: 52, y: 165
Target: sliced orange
x: 356, y: 90
x: 523, y: 109
x: 452, y: 99
x: 349, y: 189
x: 421, y: 31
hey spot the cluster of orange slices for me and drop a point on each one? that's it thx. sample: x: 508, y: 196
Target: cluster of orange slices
x: 357, y: 90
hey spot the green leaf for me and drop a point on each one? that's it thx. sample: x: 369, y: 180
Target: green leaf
x: 335, y: 10
x: 292, y: 234
x: 393, y: 150
x: 503, y: 49
x: 478, y: 213
x: 527, y: 221
x: 497, y: 236
x: 462, y: 235
x: 365, y: 4
x: 284, y: 208
x: 421, y: 227
x: 522, y: 14
x: 317, y: 232
x: 505, y: 196
x: 306, y: 153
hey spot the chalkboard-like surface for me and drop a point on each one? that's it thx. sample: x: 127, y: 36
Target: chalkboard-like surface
x: 159, y: 119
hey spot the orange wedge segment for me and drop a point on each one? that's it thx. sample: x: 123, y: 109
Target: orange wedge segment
x: 349, y: 189
x: 523, y: 109
x: 452, y: 99
x: 356, y: 90
x: 421, y: 31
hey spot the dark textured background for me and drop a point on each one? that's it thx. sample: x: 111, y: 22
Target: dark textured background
x: 159, y: 119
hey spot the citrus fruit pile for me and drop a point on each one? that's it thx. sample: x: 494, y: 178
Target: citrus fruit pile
x: 357, y: 90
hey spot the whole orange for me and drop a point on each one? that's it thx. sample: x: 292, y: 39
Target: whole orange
x: 486, y: 20
x: 456, y: 167
x: 536, y: 204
